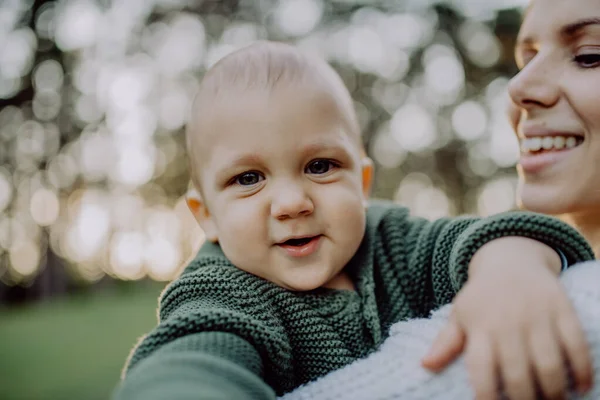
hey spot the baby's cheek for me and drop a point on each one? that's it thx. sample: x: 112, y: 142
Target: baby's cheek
x: 353, y: 220
x: 346, y: 212
x: 238, y: 243
x: 239, y: 224
x: 348, y: 198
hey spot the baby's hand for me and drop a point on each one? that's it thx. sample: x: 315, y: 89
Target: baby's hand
x: 516, y: 325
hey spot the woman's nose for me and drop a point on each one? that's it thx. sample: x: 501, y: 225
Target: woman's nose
x: 536, y: 85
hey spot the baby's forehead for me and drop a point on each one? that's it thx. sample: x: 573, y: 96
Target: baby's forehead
x: 276, y: 111
x: 310, y: 98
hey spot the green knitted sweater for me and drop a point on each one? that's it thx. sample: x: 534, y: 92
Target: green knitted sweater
x: 227, y: 334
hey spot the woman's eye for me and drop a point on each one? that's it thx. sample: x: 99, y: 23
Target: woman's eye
x: 319, y: 167
x: 588, y: 60
x: 524, y: 56
x: 248, y: 178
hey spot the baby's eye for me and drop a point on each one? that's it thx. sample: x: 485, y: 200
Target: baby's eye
x: 319, y: 167
x: 248, y: 178
x: 589, y: 60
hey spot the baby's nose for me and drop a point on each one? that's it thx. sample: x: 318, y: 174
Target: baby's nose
x: 291, y: 203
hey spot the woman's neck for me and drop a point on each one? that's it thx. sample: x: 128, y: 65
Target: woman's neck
x: 588, y: 225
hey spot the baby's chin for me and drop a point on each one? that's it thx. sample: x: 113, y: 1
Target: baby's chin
x: 305, y: 282
x: 302, y: 285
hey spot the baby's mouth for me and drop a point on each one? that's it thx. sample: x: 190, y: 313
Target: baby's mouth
x: 301, y: 246
x: 299, y: 242
x: 539, y: 145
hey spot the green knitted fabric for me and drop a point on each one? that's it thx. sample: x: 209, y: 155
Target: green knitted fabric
x: 226, y: 334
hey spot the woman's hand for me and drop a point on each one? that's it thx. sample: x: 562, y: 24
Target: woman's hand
x: 515, y: 324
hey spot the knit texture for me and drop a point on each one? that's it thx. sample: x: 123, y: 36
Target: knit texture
x: 405, y: 267
x: 394, y: 371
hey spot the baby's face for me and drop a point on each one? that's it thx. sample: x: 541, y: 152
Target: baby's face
x: 282, y: 179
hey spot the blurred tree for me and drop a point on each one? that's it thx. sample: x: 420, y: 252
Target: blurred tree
x: 92, y: 107
x: 52, y: 278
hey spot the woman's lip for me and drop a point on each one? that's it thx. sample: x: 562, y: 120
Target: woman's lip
x: 532, y: 163
x: 304, y: 250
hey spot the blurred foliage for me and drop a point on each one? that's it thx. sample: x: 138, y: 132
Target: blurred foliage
x: 94, y: 95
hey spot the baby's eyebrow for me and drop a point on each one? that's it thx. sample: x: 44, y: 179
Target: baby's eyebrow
x: 255, y: 160
x: 316, y: 147
x: 245, y: 159
x: 229, y: 165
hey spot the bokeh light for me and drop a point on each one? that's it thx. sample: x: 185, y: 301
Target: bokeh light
x: 96, y: 96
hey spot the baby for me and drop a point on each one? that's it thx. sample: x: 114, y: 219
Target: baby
x: 301, y: 275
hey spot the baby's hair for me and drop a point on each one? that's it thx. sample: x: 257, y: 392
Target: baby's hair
x: 266, y: 66
x: 261, y: 65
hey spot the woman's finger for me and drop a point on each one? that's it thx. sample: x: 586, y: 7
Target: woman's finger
x: 447, y: 346
x: 548, y: 363
x: 576, y: 348
x: 514, y: 366
x: 481, y: 366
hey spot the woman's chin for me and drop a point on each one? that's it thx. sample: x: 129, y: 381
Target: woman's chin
x: 543, y: 200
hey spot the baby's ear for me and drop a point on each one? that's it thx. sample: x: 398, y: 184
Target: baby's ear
x: 367, y: 176
x: 199, y: 210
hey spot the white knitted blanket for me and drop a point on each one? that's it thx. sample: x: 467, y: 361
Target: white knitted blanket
x: 394, y: 371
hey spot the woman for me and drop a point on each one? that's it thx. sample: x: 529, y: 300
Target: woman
x: 555, y: 112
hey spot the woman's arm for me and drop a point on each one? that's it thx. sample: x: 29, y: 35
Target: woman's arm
x: 394, y: 370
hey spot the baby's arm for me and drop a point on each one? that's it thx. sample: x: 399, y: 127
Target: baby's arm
x: 394, y: 371
x: 213, y: 341
x: 550, y: 231
x: 426, y: 263
x: 213, y: 365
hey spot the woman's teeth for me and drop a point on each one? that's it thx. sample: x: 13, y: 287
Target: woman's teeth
x: 536, y: 144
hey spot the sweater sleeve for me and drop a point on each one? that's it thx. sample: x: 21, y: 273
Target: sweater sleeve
x: 212, y: 365
x: 424, y: 264
x: 550, y: 231
x: 217, y: 338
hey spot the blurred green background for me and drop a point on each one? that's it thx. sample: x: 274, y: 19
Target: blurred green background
x: 75, y: 347
x: 93, y: 100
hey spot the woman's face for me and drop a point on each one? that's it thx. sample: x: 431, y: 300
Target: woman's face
x: 555, y: 107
